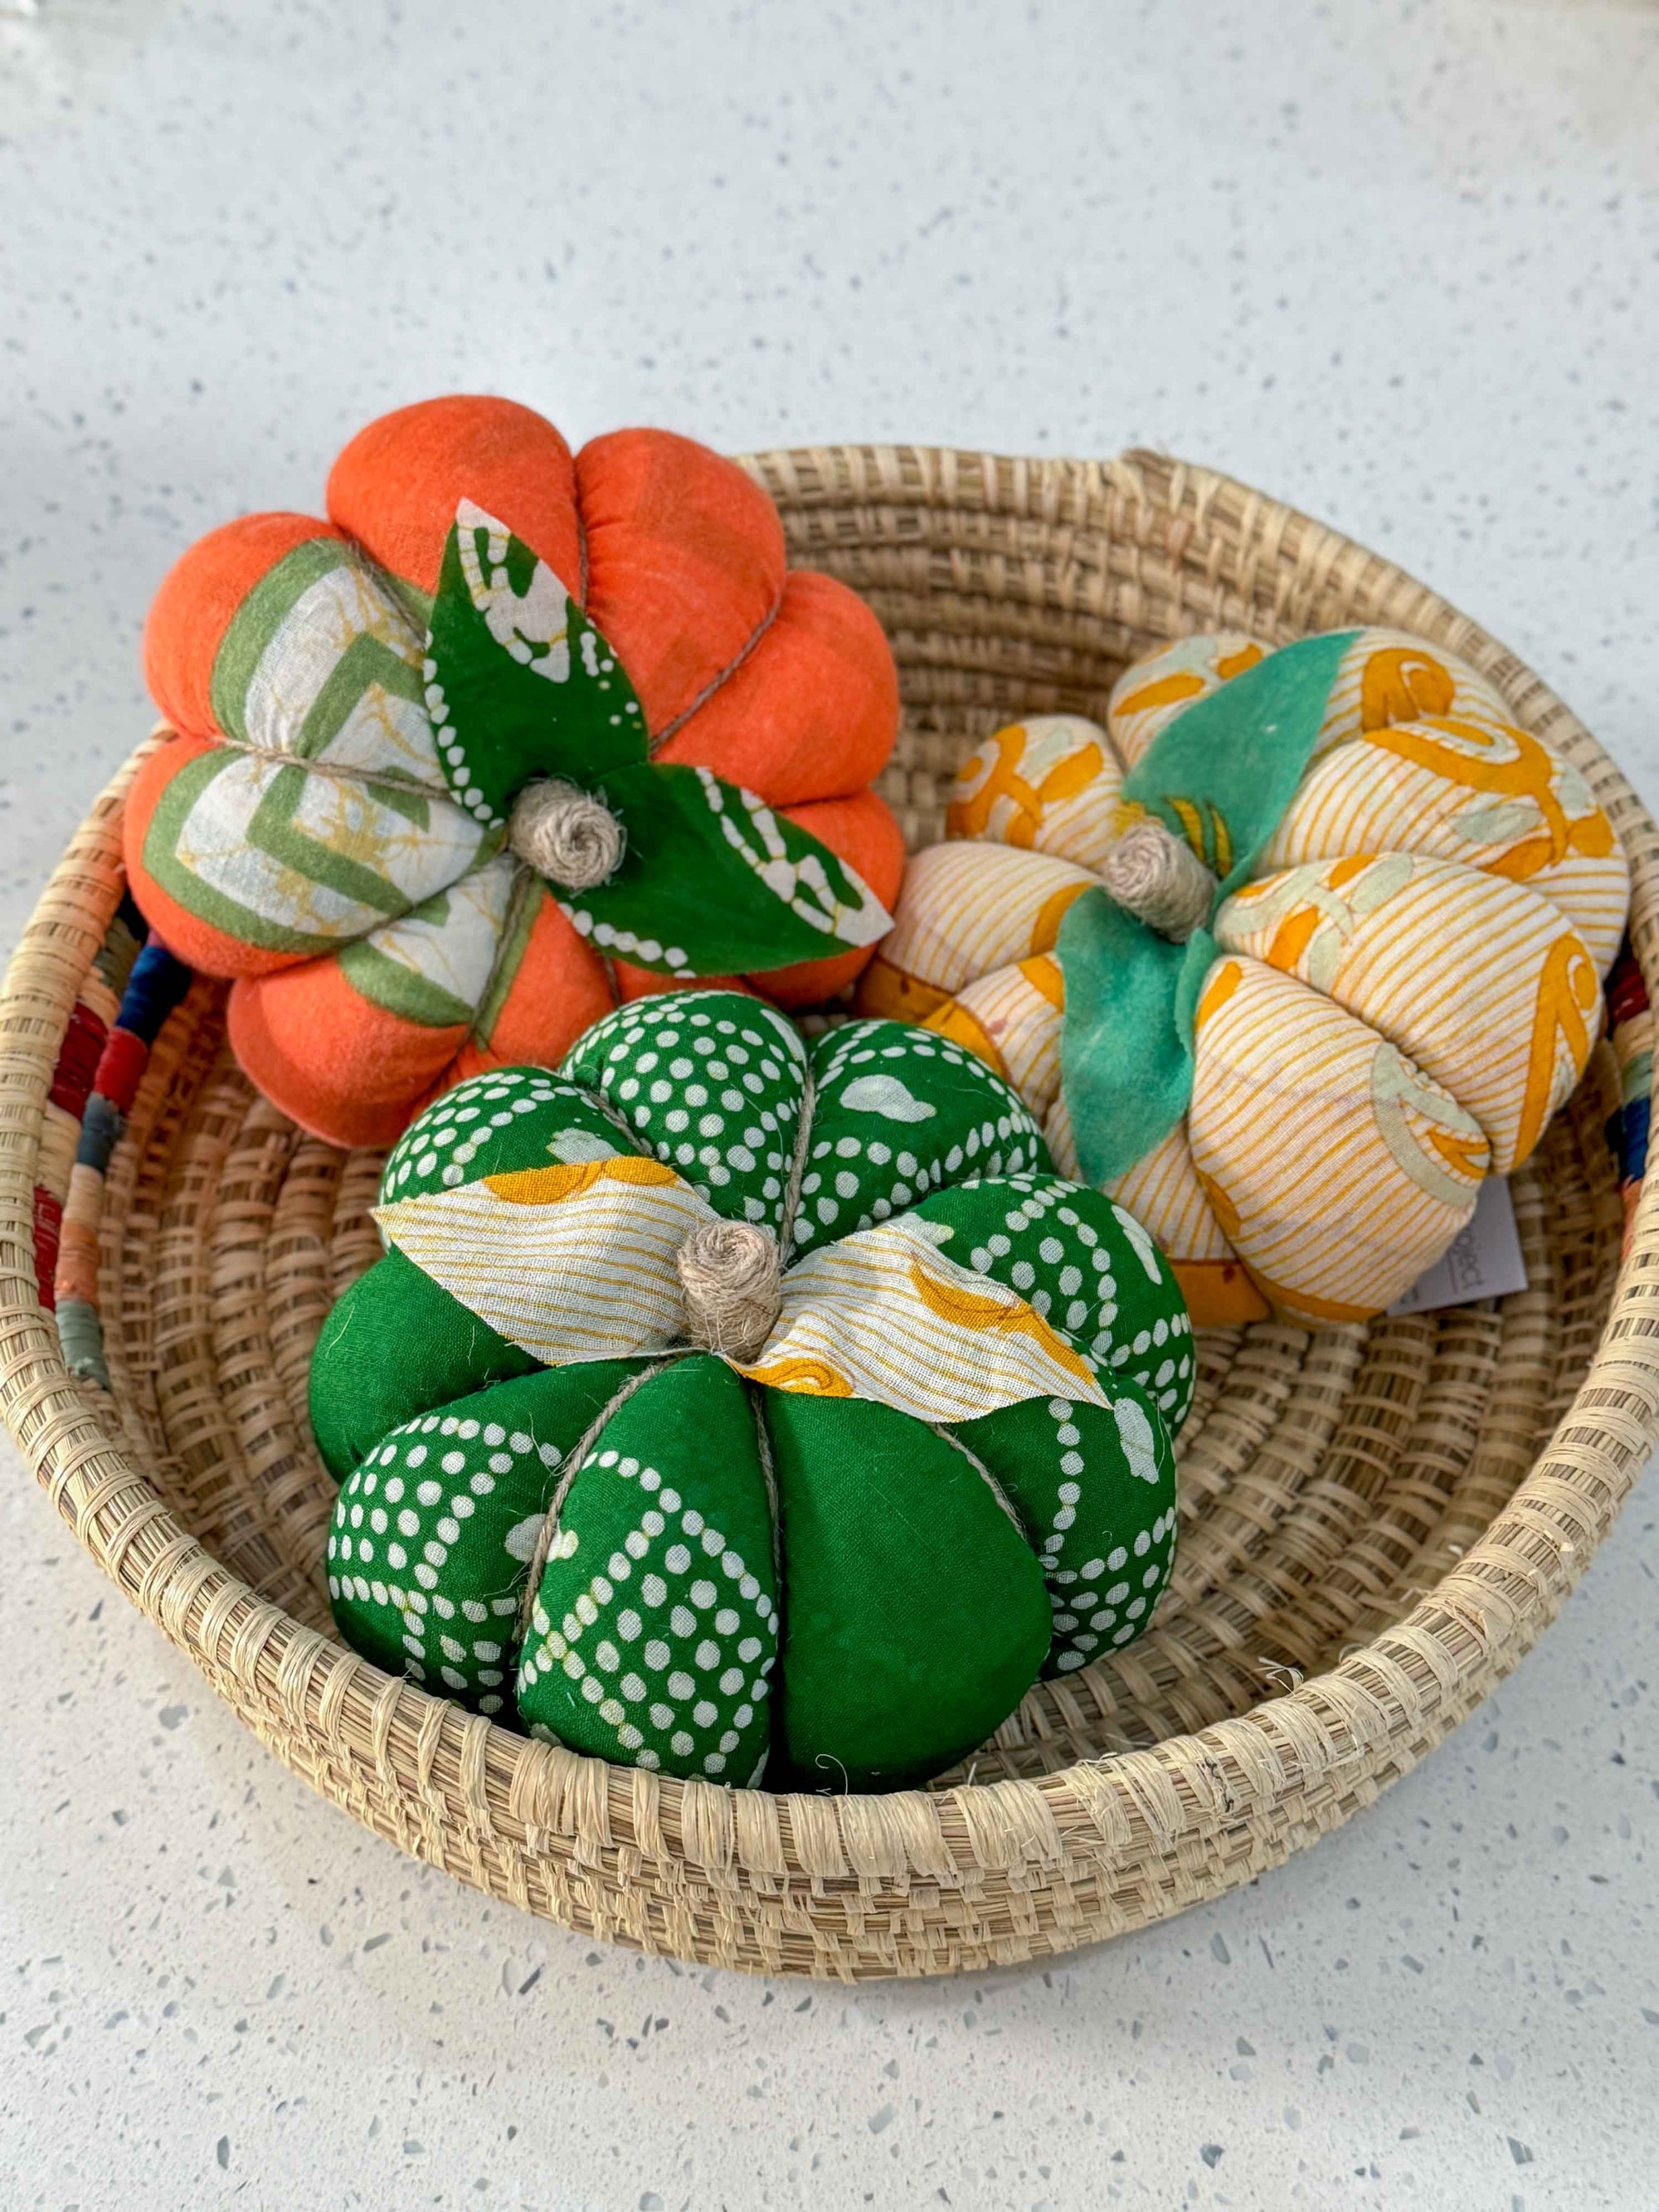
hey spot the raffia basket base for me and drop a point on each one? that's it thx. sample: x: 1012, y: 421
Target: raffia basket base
x: 1377, y: 1521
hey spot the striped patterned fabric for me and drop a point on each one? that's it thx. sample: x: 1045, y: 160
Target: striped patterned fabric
x: 129, y: 990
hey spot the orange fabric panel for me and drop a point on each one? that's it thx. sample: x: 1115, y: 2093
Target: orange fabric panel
x: 862, y: 830
x: 1219, y: 1293
x: 191, y: 613
x: 395, y: 487
x: 647, y: 983
x: 349, y: 1071
x: 811, y: 713
x: 561, y: 987
x: 685, y: 560
x: 197, y: 942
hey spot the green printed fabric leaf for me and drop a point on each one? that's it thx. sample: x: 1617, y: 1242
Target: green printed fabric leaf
x: 713, y: 882
x: 519, y: 683
x: 1220, y: 776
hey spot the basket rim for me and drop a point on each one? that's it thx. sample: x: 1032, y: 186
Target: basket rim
x: 1375, y: 1708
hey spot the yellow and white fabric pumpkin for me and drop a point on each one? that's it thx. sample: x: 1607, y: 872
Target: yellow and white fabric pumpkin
x: 1377, y: 989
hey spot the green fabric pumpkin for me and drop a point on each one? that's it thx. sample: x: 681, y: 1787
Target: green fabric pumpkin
x: 823, y: 1526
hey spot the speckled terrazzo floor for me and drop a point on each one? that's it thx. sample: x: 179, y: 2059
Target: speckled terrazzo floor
x: 1395, y: 261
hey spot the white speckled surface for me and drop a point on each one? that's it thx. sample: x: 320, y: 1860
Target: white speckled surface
x: 1396, y: 262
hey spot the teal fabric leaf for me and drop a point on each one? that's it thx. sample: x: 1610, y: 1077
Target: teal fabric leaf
x: 1220, y: 776
x: 1126, y: 1052
x: 713, y: 882
x: 519, y: 683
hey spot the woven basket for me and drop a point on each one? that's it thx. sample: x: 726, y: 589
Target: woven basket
x: 1376, y: 1520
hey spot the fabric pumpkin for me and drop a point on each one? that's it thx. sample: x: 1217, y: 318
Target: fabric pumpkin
x: 832, y: 1537
x: 1404, y: 913
x: 515, y: 736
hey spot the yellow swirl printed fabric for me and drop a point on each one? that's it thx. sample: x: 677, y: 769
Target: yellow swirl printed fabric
x: 1404, y: 993
x: 886, y: 1314
x: 575, y: 1262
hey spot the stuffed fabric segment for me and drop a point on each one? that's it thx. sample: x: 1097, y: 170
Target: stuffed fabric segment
x: 1379, y: 978
x: 745, y: 1408
x: 516, y: 736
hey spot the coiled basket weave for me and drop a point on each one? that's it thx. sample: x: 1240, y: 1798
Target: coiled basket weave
x: 1378, y: 1520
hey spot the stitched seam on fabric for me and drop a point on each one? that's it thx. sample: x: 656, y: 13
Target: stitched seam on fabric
x: 573, y: 1466
x: 768, y: 1477
x: 985, y: 1476
x: 672, y: 728
x: 389, y: 779
x: 523, y: 879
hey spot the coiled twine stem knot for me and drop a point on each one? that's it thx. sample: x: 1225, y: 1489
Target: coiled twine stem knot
x: 730, y: 1285
x: 565, y: 834
x: 1152, y: 873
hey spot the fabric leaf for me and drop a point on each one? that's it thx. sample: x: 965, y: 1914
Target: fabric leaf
x: 887, y: 1315
x: 713, y: 882
x: 569, y: 1261
x: 1221, y: 775
x: 519, y: 683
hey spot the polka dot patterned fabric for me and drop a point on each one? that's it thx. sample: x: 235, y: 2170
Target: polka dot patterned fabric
x: 732, y: 1581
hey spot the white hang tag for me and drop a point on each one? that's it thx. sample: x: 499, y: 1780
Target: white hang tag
x: 1484, y: 1260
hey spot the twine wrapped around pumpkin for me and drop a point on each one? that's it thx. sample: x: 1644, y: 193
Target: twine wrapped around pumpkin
x: 565, y: 834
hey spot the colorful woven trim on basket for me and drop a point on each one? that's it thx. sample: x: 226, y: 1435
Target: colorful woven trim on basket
x: 1630, y: 1021
x: 131, y: 988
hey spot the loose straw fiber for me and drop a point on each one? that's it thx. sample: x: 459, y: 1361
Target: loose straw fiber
x: 1378, y: 1520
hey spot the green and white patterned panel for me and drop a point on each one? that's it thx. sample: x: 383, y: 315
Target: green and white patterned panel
x: 1095, y: 1488
x: 497, y: 1123
x: 433, y: 1534
x: 432, y: 965
x: 320, y: 662
x: 656, y: 1624
x: 338, y: 818
x: 711, y: 1082
x: 898, y: 1112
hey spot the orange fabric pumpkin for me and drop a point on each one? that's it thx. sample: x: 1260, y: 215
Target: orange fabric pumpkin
x: 311, y: 830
